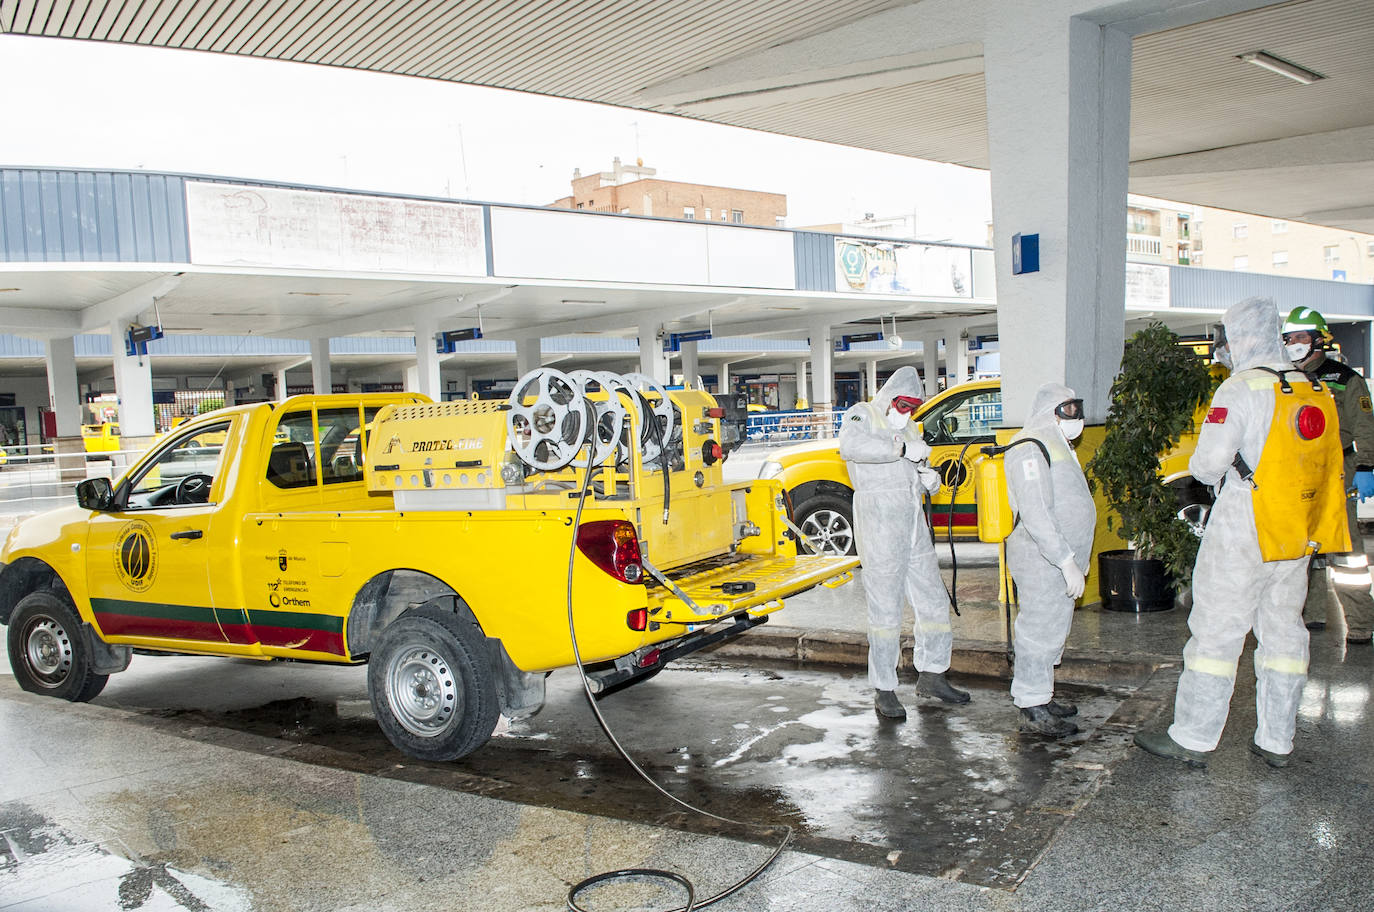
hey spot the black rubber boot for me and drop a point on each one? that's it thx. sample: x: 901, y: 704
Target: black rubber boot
x: 886, y: 704
x: 1039, y: 720
x: 1161, y: 745
x: 1316, y: 625
x: 1277, y: 761
x: 934, y: 684
x: 1360, y: 637
x: 1062, y: 710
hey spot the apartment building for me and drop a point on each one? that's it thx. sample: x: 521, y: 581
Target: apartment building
x: 634, y: 190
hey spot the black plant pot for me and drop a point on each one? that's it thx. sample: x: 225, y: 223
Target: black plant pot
x: 1127, y: 583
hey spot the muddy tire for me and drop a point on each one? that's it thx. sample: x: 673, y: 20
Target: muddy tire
x: 827, y: 521
x: 432, y: 688
x: 48, y: 649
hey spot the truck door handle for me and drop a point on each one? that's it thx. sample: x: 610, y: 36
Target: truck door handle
x: 188, y: 533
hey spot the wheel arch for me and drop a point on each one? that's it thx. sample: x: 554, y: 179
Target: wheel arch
x: 390, y: 594
x: 27, y: 574
x: 807, y: 490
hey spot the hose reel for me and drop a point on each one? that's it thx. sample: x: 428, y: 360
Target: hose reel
x: 553, y: 421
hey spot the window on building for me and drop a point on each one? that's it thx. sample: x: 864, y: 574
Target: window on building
x: 1331, y: 254
x: 1195, y: 257
x: 725, y: 215
x: 579, y: 205
x: 1279, y: 227
x: 780, y: 221
x: 708, y: 213
x: 689, y: 212
x: 1280, y: 259
x: 1240, y: 230
x: 737, y: 216
x: 1240, y: 263
x: 624, y: 210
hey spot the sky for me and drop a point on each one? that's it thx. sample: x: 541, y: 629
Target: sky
x: 81, y: 104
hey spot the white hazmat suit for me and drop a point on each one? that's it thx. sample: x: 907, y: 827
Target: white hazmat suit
x: 894, y: 542
x: 1235, y: 591
x: 1049, y: 550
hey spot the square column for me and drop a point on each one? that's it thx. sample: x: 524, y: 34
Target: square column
x: 1058, y: 102
x: 956, y: 359
x: 822, y: 377
x: 930, y: 357
x: 653, y: 361
x: 133, y: 376
x: 63, y: 393
x: 871, y: 379
x: 528, y: 352
x: 691, y: 368
x: 320, y: 374
x: 426, y: 369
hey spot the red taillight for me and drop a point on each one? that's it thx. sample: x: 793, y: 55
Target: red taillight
x: 637, y: 619
x: 1311, y: 422
x: 612, y: 545
x: 715, y: 413
x: 651, y: 657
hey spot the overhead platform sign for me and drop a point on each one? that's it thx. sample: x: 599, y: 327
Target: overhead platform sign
x: 896, y: 267
x: 236, y: 225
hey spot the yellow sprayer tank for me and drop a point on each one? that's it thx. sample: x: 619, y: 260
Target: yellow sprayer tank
x: 990, y: 493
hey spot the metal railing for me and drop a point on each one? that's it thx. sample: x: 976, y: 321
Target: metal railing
x: 772, y: 427
x: 33, y: 480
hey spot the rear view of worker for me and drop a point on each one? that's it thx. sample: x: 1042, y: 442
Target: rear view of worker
x: 1235, y: 589
x: 886, y: 459
x: 1305, y: 339
x: 1048, y: 551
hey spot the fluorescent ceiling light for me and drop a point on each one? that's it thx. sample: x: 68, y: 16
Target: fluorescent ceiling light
x: 1281, y: 66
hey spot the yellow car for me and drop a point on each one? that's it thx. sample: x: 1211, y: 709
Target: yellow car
x: 957, y: 422
x: 101, y: 438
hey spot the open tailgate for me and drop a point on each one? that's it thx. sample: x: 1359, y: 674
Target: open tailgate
x: 774, y: 578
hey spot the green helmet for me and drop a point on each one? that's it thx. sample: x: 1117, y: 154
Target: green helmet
x: 1305, y: 319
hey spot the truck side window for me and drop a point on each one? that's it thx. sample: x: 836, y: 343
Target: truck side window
x: 291, y: 462
x: 164, y: 481
x: 340, y: 445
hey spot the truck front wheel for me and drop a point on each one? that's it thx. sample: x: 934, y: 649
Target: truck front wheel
x: 432, y: 689
x: 48, y: 650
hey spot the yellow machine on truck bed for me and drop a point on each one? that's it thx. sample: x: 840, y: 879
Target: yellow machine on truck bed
x: 433, y: 541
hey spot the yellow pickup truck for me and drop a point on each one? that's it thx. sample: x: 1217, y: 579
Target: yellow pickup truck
x: 959, y: 420
x: 100, y: 438
x: 434, y: 541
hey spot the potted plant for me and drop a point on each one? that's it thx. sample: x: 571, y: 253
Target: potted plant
x: 1162, y: 383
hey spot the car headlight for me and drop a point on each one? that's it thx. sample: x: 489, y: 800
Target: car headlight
x: 770, y: 469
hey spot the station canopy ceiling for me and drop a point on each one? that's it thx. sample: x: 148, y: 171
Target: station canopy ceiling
x: 889, y: 75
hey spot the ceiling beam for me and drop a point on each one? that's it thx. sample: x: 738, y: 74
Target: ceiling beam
x: 39, y: 322
x: 129, y: 304
x: 439, y: 309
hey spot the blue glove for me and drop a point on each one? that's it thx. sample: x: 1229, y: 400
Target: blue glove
x: 1364, y: 483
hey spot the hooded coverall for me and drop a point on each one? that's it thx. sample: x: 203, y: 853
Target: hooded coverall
x: 1234, y: 590
x: 894, y: 542
x: 1056, y: 518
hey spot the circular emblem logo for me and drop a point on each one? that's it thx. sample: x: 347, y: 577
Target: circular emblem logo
x: 135, y: 556
x: 953, y: 472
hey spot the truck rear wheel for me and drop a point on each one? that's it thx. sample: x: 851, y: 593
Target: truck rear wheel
x: 827, y: 521
x: 48, y: 650
x: 432, y: 690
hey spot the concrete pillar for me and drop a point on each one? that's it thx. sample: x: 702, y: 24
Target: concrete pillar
x: 723, y: 379
x: 801, y: 386
x: 280, y: 383
x: 956, y: 359
x: 426, y: 369
x: 133, y: 378
x: 528, y: 352
x: 63, y: 395
x: 1058, y: 103
x: 871, y: 377
x: 930, y: 357
x: 653, y: 361
x: 320, y: 375
x: 822, y: 378
x: 691, y: 366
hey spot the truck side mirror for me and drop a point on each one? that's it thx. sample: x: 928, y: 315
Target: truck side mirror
x: 95, y: 494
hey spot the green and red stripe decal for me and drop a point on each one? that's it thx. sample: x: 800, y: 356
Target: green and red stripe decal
x: 288, y: 629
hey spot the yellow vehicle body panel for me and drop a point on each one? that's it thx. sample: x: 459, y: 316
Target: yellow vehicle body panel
x: 100, y: 438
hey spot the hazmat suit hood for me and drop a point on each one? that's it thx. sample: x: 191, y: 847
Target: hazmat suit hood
x: 1254, y: 335
x: 1043, y: 403
x: 905, y: 381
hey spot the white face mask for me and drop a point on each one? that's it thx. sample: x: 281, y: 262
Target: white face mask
x: 897, y: 420
x: 1298, y: 351
x: 1222, y: 356
x: 1071, y: 427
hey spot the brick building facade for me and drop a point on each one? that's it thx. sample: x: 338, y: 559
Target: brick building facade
x: 633, y: 190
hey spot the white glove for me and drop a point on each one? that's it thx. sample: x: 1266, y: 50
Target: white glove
x: 930, y: 479
x: 1073, y: 578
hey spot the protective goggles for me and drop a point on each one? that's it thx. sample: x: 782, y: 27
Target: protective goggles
x: 1069, y: 409
x: 906, y: 404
